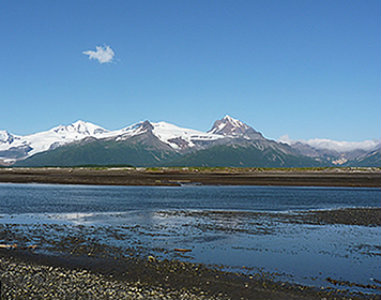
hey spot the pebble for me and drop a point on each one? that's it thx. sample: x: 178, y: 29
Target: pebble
x: 23, y: 281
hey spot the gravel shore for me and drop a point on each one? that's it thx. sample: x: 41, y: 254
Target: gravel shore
x: 30, y: 281
x: 28, y: 276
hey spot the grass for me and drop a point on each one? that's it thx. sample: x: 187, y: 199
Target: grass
x: 209, y: 169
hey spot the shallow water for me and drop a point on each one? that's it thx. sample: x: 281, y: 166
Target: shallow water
x: 160, y: 219
x: 37, y: 198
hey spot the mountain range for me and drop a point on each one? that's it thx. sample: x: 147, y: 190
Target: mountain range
x: 229, y: 142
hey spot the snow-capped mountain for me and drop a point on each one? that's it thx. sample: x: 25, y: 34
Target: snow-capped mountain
x: 176, y: 137
x: 181, y: 138
x: 228, y: 142
x: 79, y: 128
x: 234, y: 128
x: 184, y: 139
x: 14, y: 147
x: 6, y: 137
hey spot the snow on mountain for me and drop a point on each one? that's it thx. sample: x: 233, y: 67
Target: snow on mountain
x: 6, y: 137
x: 229, y: 126
x: 176, y: 137
x: 79, y: 128
x: 339, y: 146
x: 226, y: 130
x: 132, y: 130
x: 182, y: 138
x: 62, y: 135
x: 52, y: 138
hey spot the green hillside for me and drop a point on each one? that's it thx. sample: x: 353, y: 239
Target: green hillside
x: 371, y: 160
x: 237, y: 156
x: 99, y: 153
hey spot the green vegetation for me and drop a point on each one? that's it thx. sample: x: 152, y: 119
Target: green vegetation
x: 237, y: 156
x: 98, y: 154
x: 372, y: 160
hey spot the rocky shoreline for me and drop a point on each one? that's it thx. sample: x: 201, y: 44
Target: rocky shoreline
x: 25, y: 275
x: 22, y: 280
x: 53, y: 261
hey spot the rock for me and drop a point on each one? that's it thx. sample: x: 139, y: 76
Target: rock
x: 182, y: 250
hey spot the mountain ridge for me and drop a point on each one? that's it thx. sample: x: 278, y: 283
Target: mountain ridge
x: 170, y: 144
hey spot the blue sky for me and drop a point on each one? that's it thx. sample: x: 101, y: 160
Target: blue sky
x: 309, y: 69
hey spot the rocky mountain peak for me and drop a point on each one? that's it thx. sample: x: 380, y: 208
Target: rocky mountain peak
x: 146, y: 125
x: 140, y: 127
x: 6, y: 137
x: 137, y: 129
x: 229, y: 126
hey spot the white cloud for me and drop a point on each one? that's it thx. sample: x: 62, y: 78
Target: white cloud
x: 340, y: 146
x: 286, y: 139
x: 103, y: 54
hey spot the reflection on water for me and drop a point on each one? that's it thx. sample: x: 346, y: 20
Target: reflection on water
x: 158, y: 220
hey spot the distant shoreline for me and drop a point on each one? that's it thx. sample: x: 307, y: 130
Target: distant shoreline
x: 340, y: 177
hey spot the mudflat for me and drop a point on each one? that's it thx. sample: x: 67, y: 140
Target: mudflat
x: 30, y: 276
x: 346, y: 177
x: 75, y: 266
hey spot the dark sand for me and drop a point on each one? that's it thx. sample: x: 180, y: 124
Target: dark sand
x: 356, y: 177
x: 345, y: 216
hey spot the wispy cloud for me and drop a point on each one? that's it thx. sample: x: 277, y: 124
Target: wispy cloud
x: 103, y: 54
x: 340, y: 146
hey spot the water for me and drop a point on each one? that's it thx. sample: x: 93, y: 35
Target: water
x: 37, y: 198
x: 218, y: 223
